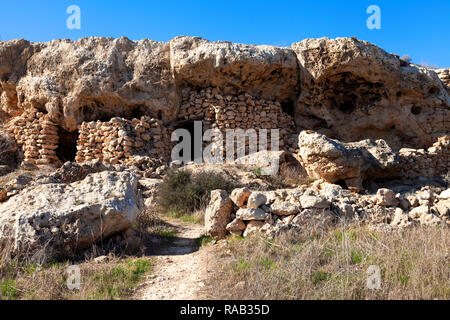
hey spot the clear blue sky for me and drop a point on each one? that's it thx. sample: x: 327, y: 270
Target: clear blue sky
x: 419, y: 28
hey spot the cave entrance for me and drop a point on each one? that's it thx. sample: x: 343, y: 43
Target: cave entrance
x: 136, y: 113
x: 348, y: 104
x: 342, y: 183
x: 67, y: 145
x: 288, y: 107
x: 189, y: 126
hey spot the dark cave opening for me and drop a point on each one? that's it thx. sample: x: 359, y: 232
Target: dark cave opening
x: 288, y: 107
x: 348, y: 104
x: 136, y: 113
x: 95, y: 111
x: 416, y: 110
x: 189, y: 126
x: 342, y: 183
x: 67, y: 145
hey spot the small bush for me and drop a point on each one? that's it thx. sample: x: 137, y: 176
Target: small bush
x: 184, y: 192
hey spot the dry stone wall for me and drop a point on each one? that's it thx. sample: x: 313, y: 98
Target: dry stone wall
x: 37, y: 136
x: 224, y: 112
x: 120, y: 140
x: 433, y: 162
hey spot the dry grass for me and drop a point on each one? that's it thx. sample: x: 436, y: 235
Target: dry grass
x: 414, y: 264
x: 115, y: 279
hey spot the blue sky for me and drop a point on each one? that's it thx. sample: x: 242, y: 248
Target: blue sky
x: 420, y: 29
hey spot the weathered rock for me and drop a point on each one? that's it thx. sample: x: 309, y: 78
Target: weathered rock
x: 314, y: 218
x: 218, y: 214
x: 430, y: 219
x: 256, y: 200
x: 386, y: 198
x: 251, y: 214
x: 346, y: 210
x: 416, y: 213
x: 401, y: 219
x: 8, y: 150
x: 240, y: 196
x: 333, y: 161
x: 13, y: 187
x: 88, y: 79
x: 252, y: 227
x: 353, y: 90
x: 444, y: 195
x: 284, y: 208
x: 443, y: 207
x: 236, y: 227
x: 265, y: 71
x: 65, y: 217
x: 313, y: 202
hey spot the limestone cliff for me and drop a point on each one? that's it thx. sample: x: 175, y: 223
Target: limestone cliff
x: 345, y: 88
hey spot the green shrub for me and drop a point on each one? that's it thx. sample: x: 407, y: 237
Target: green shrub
x: 183, y: 192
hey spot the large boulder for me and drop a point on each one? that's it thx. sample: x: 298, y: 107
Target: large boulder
x: 268, y: 72
x: 218, y: 214
x: 62, y: 218
x: 352, y: 163
x: 353, y: 90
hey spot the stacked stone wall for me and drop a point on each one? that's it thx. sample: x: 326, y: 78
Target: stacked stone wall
x: 432, y: 162
x: 119, y: 140
x: 224, y: 112
x: 37, y: 136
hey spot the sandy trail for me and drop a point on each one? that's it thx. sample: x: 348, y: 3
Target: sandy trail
x: 181, y: 268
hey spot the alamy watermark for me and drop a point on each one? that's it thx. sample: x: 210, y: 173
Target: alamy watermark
x: 374, y: 278
x: 74, y: 20
x: 74, y: 278
x: 374, y: 20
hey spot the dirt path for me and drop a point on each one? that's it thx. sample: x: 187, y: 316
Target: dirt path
x: 181, y: 268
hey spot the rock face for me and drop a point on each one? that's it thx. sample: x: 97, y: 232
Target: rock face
x: 352, y: 90
x: 64, y: 217
x: 265, y: 71
x: 89, y: 79
x: 333, y: 161
x: 345, y: 88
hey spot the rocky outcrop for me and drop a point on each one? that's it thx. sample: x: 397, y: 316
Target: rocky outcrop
x: 351, y: 163
x: 352, y: 90
x: 345, y: 88
x: 89, y: 79
x: 265, y: 71
x: 61, y: 218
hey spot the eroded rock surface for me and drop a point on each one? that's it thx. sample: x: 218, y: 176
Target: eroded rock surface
x: 352, y: 163
x: 345, y: 88
x: 61, y: 218
x: 352, y: 90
